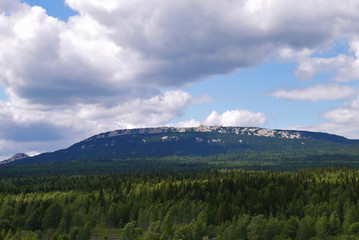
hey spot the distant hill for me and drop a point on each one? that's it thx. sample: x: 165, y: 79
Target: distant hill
x: 16, y: 157
x: 205, y: 142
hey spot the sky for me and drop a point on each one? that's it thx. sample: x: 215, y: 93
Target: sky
x: 75, y: 68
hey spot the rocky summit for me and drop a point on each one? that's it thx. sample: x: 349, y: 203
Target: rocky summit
x: 16, y: 157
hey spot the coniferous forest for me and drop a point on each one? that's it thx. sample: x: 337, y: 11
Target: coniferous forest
x: 319, y: 203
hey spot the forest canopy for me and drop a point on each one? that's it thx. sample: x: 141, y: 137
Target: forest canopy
x: 319, y: 203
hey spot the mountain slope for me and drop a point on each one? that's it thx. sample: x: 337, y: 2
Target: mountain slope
x: 226, y: 143
x: 16, y: 157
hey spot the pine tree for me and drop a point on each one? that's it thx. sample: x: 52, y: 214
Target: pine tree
x: 334, y: 224
x: 256, y: 228
x: 321, y: 227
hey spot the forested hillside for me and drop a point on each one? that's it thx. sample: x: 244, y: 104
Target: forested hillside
x: 201, y: 148
x: 236, y: 204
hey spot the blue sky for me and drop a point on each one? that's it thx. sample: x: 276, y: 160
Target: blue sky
x: 2, y: 94
x: 70, y: 69
x: 54, y: 8
x: 249, y: 88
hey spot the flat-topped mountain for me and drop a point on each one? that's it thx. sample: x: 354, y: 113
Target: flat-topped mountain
x: 239, y: 131
x: 204, y: 129
x: 234, y: 143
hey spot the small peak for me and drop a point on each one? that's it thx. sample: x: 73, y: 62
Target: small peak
x: 20, y: 156
x: 17, y: 156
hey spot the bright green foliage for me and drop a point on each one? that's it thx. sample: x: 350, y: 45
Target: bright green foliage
x: 321, y: 227
x: 256, y: 228
x: 291, y: 226
x: 273, y: 228
x: 306, y: 228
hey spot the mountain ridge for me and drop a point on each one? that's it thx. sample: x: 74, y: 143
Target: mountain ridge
x: 257, y: 131
x: 200, y: 142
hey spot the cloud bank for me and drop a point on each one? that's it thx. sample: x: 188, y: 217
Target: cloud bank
x: 126, y: 49
x: 106, y: 66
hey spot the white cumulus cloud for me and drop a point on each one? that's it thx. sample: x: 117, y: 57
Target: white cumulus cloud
x: 343, y: 121
x: 189, y: 123
x: 241, y: 118
x: 315, y: 93
x: 343, y: 67
x: 26, y: 129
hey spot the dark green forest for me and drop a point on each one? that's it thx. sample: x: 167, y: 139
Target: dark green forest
x: 319, y: 203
